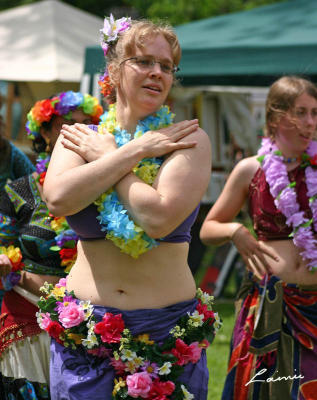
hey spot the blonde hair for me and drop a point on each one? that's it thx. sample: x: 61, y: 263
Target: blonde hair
x: 136, y: 37
x: 281, y: 98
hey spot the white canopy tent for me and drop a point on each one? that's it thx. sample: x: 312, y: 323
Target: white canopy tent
x: 45, y: 41
x: 42, y: 48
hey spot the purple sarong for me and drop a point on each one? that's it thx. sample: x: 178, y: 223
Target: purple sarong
x: 77, y: 375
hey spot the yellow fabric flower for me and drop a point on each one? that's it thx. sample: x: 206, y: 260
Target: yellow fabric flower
x: 118, y: 384
x: 13, y: 253
x: 145, y: 338
x: 76, y: 337
x: 58, y: 291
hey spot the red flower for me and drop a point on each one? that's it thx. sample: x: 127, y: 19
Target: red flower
x: 17, y: 266
x: 313, y: 160
x: 202, y: 309
x: 54, y: 329
x: 43, y: 111
x: 185, y: 353
x: 42, y: 177
x: 110, y: 328
x: 159, y: 390
x: 68, y: 253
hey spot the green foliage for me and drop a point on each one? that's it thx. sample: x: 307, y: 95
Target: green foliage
x: 182, y: 11
x: 176, y: 12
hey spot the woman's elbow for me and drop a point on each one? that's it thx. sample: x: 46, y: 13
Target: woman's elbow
x: 54, y: 203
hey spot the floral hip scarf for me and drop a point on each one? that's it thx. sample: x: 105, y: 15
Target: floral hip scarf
x: 144, y: 369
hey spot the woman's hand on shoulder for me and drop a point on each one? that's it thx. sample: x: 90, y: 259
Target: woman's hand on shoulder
x: 5, y: 265
x: 166, y: 140
x: 253, y: 252
x: 87, y: 143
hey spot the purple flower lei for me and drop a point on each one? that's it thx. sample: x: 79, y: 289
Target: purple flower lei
x: 285, y: 197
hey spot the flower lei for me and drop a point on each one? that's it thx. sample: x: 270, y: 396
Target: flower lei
x: 15, y: 256
x: 66, y: 239
x: 120, y: 228
x: 62, y: 105
x: 144, y: 369
x: 285, y: 197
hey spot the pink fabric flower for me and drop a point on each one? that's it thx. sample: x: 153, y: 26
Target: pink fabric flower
x: 46, y: 320
x: 118, y: 365
x: 139, y: 384
x: 71, y: 315
x: 61, y: 283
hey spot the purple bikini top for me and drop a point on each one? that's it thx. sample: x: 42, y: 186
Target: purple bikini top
x: 87, y: 227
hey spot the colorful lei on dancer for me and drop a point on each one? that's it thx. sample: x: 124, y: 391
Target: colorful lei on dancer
x: 15, y: 256
x: 120, y: 228
x: 285, y: 198
x: 71, y: 322
x: 66, y: 239
x: 61, y: 105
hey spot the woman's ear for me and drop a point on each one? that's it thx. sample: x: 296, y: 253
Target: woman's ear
x: 114, y: 76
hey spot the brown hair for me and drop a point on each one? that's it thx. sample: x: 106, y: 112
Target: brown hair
x: 281, y: 98
x: 136, y: 37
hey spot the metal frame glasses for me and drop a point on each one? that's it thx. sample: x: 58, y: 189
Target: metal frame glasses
x: 148, y: 63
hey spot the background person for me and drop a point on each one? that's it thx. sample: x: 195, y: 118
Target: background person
x: 27, y: 235
x: 13, y: 162
x: 138, y: 278
x: 275, y: 330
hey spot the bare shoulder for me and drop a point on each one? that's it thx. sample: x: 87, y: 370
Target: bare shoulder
x: 246, y: 168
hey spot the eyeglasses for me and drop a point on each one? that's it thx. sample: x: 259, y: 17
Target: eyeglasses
x: 148, y: 63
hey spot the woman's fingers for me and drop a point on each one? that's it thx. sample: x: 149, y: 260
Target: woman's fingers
x: 269, y: 252
x: 257, y: 265
x: 182, y: 145
x: 182, y: 129
x: 5, y: 265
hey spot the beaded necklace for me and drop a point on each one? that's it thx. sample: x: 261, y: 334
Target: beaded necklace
x: 113, y: 217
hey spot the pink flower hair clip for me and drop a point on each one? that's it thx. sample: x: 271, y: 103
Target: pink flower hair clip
x: 112, y: 29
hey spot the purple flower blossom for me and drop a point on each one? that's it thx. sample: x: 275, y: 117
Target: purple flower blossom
x: 111, y: 30
x: 311, y: 181
x: 151, y: 368
x: 69, y: 101
x: 312, y: 148
x: 287, y: 202
x: 296, y: 219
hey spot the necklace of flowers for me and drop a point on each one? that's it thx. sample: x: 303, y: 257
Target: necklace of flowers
x: 285, y: 197
x: 113, y: 217
x: 65, y: 239
x: 144, y: 369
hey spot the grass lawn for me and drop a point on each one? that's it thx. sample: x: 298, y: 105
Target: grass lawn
x: 218, y: 352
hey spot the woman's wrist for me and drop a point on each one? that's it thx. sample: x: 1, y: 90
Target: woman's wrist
x: 234, y: 229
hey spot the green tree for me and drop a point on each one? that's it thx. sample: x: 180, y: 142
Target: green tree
x: 181, y: 11
x: 176, y: 12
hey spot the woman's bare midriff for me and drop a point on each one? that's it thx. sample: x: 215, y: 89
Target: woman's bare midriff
x: 105, y: 276
x: 32, y: 282
x: 290, y: 268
